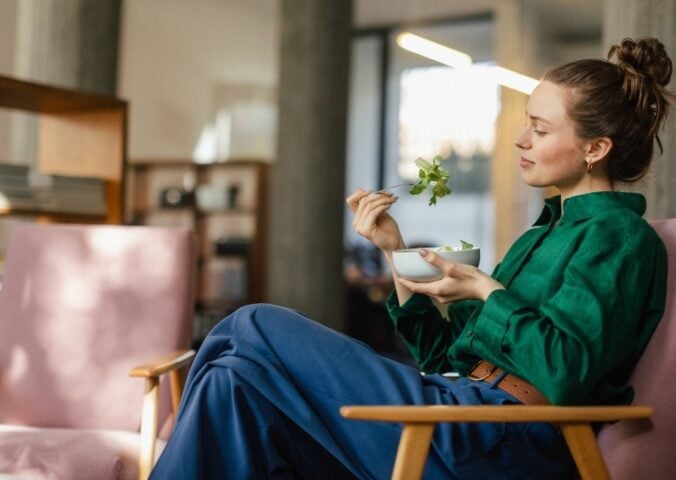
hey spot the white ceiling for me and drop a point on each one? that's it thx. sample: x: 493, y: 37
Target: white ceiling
x: 564, y: 17
x: 376, y: 13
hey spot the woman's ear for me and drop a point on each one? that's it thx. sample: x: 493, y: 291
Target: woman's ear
x: 597, y: 149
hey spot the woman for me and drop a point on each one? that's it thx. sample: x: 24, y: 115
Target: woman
x: 567, y: 314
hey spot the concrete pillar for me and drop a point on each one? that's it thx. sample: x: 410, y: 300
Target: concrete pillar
x: 650, y: 18
x: 68, y: 43
x: 306, y: 228
x: 516, y: 37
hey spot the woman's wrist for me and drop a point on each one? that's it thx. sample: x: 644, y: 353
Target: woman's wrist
x: 388, y: 252
x: 488, y: 286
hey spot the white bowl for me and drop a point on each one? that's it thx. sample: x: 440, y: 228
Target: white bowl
x: 411, y: 265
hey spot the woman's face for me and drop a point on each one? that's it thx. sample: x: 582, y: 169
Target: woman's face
x: 551, y: 152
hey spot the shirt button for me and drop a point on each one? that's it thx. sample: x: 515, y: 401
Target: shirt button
x: 469, y: 333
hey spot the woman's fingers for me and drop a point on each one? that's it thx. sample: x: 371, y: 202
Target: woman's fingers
x: 366, y: 224
x: 369, y: 209
x: 354, y: 199
x: 438, y: 290
x: 371, y: 201
x: 360, y: 195
x: 433, y: 258
x: 415, y: 287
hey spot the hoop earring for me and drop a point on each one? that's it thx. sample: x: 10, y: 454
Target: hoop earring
x: 590, y: 165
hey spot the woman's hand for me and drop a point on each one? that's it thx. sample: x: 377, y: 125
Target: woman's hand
x: 372, y: 221
x: 460, y: 282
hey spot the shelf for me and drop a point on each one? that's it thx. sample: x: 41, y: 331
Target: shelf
x: 224, y: 211
x: 41, y: 98
x: 218, y: 275
x: 60, y: 217
x: 80, y: 134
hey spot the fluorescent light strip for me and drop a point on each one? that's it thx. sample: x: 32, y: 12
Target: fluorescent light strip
x: 433, y: 50
x: 514, y: 80
x: 456, y: 59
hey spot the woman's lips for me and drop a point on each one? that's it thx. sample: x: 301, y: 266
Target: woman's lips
x: 524, y: 163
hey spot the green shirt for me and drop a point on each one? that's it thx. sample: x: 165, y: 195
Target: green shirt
x: 584, y: 293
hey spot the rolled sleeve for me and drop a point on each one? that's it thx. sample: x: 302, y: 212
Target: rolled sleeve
x: 423, y: 329
x: 492, y: 323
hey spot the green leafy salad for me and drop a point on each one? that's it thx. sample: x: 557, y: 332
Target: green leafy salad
x: 463, y: 246
x: 431, y: 174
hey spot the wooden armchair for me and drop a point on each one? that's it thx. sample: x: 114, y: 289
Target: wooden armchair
x: 174, y: 364
x: 80, y: 305
x: 622, y: 451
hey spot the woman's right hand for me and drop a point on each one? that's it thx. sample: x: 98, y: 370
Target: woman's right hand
x: 372, y: 221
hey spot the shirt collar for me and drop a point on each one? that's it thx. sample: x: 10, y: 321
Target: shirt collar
x: 585, y: 206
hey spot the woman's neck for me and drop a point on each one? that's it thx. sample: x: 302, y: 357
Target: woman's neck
x: 589, y: 184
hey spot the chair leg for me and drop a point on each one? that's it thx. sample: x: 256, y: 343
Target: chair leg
x: 149, y: 427
x: 176, y: 383
x: 585, y: 450
x: 412, y: 451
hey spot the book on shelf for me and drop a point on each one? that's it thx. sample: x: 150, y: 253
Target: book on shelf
x: 61, y: 193
x: 15, y: 189
x: 24, y: 189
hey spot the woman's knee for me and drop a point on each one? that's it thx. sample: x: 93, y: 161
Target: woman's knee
x: 257, y: 316
x: 258, y: 313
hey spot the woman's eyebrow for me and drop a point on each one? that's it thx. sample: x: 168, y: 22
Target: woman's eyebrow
x: 539, y: 119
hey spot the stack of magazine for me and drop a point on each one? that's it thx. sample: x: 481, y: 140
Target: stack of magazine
x: 15, y: 191
x: 24, y: 189
x: 65, y: 194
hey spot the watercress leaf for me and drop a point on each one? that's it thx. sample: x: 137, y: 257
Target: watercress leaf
x: 431, y: 174
x: 417, y: 189
x: 466, y: 245
x: 423, y: 164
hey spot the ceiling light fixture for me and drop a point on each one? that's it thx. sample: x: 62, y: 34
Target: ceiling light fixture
x: 457, y: 59
x: 514, y: 80
x: 433, y: 50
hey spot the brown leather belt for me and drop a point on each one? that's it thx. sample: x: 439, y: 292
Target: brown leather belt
x: 520, y: 389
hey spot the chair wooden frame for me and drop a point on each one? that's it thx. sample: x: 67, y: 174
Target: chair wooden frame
x: 172, y: 364
x: 420, y: 421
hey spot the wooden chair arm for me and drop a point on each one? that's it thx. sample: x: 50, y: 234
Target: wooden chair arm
x: 163, y: 364
x: 151, y: 371
x: 419, y: 423
x: 490, y: 413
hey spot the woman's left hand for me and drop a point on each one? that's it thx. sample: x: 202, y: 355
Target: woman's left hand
x: 459, y: 281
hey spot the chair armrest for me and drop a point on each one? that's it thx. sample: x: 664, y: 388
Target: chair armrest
x: 490, y: 413
x: 151, y: 371
x: 420, y: 420
x: 163, y: 364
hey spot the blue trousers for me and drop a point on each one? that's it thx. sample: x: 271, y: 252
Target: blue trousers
x: 262, y: 402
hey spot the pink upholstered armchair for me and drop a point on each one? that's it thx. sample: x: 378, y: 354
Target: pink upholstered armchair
x: 81, y: 309
x: 626, y: 450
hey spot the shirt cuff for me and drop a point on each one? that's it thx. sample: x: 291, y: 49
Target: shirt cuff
x: 491, y: 325
x: 416, y: 305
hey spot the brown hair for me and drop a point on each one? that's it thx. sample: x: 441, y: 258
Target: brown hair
x: 626, y: 101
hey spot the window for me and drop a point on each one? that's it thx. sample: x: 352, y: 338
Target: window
x: 429, y: 109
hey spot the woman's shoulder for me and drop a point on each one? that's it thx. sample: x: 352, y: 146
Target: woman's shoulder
x: 622, y: 229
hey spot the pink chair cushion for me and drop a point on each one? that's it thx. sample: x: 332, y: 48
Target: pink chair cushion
x: 637, y: 450
x: 81, y: 305
x: 47, y: 453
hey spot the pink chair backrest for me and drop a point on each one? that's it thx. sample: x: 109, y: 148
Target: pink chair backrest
x: 79, y: 306
x: 645, y: 450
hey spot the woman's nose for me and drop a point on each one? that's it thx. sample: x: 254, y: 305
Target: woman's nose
x: 521, y: 141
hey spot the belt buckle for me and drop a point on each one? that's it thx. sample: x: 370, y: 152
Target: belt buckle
x: 478, y: 379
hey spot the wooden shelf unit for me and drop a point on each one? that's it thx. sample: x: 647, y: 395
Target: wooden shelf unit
x: 244, y: 220
x: 80, y: 134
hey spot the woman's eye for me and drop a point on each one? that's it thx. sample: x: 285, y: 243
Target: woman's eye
x: 539, y: 132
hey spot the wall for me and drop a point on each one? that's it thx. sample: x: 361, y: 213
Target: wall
x: 176, y: 57
x: 8, y: 21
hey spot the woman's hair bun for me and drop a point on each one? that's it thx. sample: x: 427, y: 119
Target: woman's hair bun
x: 645, y: 68
x: 646, y: 57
